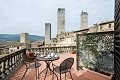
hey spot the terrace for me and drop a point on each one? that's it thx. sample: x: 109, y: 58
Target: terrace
x: 12, y: 67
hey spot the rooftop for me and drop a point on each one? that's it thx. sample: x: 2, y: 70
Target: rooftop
x: 30, y: 75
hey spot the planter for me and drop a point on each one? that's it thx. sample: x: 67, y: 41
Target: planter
x: 91, y: 75
x: 73, y: 52
x: 31, y: 56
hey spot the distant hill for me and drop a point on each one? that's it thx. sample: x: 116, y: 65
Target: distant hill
x: 16, y: 37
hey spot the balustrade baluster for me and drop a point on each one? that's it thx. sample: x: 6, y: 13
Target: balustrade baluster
x: 7, y: 66
x: 20, y: 58
x: 13, y: 61
x: 3, y: 70
x: 17, y: 59
x: 0, y: 71
x: 10, y: 63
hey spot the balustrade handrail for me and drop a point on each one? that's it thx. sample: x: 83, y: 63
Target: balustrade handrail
x: 53, y: 47
x: 10, y: 54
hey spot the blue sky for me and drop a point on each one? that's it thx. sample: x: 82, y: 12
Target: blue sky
x: 17, y: 16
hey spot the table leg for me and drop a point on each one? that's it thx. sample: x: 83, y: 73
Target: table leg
x: 48, y: 67
x: 41, y: 72
x: 46, y: 74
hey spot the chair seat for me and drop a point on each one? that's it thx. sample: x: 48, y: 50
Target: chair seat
x: 33, y: 65
x: 63, y: 69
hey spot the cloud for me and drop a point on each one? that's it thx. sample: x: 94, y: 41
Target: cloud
x: 30, y: 16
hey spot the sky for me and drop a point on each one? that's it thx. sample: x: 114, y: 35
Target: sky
x: 17, y: 16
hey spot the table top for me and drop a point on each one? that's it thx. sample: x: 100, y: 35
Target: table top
x: 47, y: 59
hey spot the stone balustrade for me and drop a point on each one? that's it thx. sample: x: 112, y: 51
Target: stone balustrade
x: 57, y: 50
x: 11, y: 62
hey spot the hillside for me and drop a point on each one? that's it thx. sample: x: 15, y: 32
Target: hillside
x: 16, y: 37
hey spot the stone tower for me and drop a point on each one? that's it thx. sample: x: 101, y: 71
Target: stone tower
x: 47, y: 33
x: 60, y: 20
x: 84, y: 20
x: 24, y: 38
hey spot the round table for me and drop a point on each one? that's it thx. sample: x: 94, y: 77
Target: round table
x: 47, y: 61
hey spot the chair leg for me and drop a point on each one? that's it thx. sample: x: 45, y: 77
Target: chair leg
x: 24, y: 73
x: 70, y: 75
x: 65, y: 76
x: 60, y: 76
x: 52, y: 76
x: 36, y: 73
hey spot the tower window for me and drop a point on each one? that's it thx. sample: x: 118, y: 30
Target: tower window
x: 62, y: 12
x: 109, y: 25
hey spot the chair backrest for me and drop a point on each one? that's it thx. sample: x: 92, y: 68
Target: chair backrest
x: 67, y: 63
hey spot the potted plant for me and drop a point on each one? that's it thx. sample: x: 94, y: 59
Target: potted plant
x: 72, y: 51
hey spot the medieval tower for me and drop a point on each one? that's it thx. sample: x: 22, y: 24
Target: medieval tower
x: 84, y: 20
x: 60, y: 20
x: 24, y: 38
x: 47, y: 33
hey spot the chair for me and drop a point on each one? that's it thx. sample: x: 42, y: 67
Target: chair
x: 30, y: 62
x: 64, y: 67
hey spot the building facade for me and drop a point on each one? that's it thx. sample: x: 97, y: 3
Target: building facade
x: 60, y: 20
x: 106, y: 26
x: 102, y: 27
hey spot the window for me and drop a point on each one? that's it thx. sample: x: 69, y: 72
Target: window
x: 109, y: 25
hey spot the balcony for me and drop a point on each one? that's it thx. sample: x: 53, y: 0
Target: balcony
x: 12, y: 68
x: 30, y: 75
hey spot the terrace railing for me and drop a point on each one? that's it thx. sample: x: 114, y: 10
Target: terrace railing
x: 57, y: 50
x: 11, y: 62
